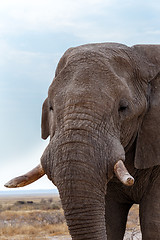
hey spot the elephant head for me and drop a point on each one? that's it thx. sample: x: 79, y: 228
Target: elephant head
x: 104, y: 98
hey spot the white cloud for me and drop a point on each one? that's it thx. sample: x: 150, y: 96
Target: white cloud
x: 43, y: 15
x: 89, y: 20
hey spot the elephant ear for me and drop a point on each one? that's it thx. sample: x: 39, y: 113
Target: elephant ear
x: 148, y: 140
x: 45, y: 120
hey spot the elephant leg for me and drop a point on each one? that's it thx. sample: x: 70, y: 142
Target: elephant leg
x: 116, y: 218
x: 150, y: 211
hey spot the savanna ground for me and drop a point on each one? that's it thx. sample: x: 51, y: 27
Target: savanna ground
x: 37, y: 217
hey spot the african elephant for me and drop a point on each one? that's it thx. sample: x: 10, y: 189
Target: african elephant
x: 104, y: 106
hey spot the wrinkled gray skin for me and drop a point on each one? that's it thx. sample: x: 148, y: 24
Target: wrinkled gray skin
x: 104, y: 105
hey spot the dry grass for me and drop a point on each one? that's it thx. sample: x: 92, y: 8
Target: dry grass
x: 31, y: 218
x: 36, y: 218
x: 30, y: 230
x: 133, y: 218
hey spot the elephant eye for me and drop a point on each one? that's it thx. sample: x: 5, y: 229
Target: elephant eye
x: 123, y: 106
x: 50, y: 108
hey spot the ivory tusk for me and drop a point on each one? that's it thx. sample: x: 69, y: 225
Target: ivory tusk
x: 27, y: 178
x: 122, y: 174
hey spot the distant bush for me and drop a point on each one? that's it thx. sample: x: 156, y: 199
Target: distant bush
x: 19, y: 202
x: 43, y: 204
x: 29, y: 202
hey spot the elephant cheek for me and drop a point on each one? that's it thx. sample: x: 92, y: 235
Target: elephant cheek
x: 47, y: 161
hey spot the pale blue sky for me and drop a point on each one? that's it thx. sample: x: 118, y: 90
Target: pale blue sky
x: 33, y: 36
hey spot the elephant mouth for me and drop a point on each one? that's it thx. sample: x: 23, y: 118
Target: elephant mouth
x: 119, y: 169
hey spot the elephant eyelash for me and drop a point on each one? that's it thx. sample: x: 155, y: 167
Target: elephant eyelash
x: 51, y: 108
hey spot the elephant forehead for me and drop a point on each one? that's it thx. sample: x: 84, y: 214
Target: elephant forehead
x: 102, y: 65
x: 92, y: 71
x: 96, y: 84
x: 89, y: 86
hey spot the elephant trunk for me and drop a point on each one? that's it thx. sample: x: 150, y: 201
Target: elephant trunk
x: 83, y: 201
x: 84, y: 214
x: 81, y: 183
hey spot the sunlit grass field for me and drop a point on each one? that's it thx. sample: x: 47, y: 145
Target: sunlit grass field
x: 31, y: 217
x: 34, y: 217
